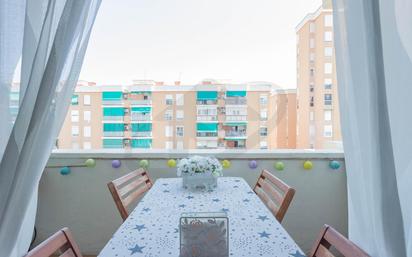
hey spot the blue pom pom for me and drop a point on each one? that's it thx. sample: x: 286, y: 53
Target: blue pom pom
x: 65, y: 171
x: 334, y: 165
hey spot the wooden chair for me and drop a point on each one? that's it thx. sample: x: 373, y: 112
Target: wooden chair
x: 125, y: 190
x: 62, y: 242
x: 274, y: 193
x: 329, y: 237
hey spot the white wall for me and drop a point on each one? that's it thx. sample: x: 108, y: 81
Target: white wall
x: 82, y: 202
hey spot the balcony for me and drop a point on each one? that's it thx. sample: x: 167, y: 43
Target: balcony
x: 207, y: 118
x: 141, y: 102
x: 230, y: 118
x: 141, y: 133
x: 113, y: 133
x: 236, y: 101
x: 140, y: 117
x: 74, y: 200
x: 113, y: 118
x: 233, y: 133
x: 112, y: 102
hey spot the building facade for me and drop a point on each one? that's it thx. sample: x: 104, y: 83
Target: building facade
x: 208, y: 115
x: 318, y: 122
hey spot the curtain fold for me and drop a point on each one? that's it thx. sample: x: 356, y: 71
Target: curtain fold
x: 56, y: 33
x: 374, y: 70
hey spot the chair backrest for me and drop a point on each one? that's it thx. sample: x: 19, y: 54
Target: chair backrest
x: 329, y: 237
x: 274, y: 193
x: 125, y: 190
x: 62, y: 242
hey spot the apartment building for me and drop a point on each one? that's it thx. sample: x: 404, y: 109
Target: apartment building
x: 318, y: 122
x: 208, y: 115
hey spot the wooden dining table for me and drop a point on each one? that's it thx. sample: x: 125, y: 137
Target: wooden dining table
x: 152, y: 229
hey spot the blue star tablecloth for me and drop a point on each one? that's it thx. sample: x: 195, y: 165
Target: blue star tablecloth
x: 152, y: 229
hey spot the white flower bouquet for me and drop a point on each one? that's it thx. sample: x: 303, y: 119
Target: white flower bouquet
x: 199, y: 172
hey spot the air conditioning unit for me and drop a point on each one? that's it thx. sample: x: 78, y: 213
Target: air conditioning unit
x: 126, y: 110
x: 126, y: 127
x: 126, y: 142
x: 125, y: 96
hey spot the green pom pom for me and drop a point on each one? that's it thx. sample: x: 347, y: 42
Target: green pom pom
x: 307, y: 165
x: 65, y: 171
x: 90, y: 163
x: 226, y: 164
x: 279, y: 165
x: 171, y: 163
x: 144, y: 164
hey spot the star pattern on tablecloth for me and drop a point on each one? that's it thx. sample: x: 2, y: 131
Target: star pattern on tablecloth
x: 139, y: 227
x: 146, y: 209
x: 182, y: 205
x: 136, y: 249
x: 264, y: 234
x: 215, y: 200
x: 262, y: 218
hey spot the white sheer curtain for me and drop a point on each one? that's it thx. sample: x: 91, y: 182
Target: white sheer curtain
x: 374, y: 53
x: 50, y: 37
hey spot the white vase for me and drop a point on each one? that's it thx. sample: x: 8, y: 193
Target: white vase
x: 199, y: 181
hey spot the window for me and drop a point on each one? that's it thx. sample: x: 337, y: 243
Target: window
x: 263, y: 99
x: 75, y: 100
x: 169, y: 145
x: 180, y: 99
x: 87, y: 116
x: 328, y: 36
x: 328, y: 99
x: 75, y: 115
x: 328, y: 83
x: 328, y: 20
x: 312, y: 27
x: 263, y: 131
x: 179, y: 131
x: 311, y: 88
x: 168, y: 114
x: 312, y: 101
x: 311, y: 116
x: 169, y: 99
x: 180, y: 114
x: 86, y: 100
x: 327, y: 115
x: 312, y: 72
x: 87, y: 131
x: 168, y: 131
x: 75, y: 130
x: 328, y: 51
x: 87, y: 145
x: 263, y: 115
x: 312, y: 57
x: 328, y: 68
x: 327, y: 131
x: 263, y: 145
x: 312, y: 43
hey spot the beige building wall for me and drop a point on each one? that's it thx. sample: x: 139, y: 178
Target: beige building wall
x: 318, y: 122
x: 174, y: 107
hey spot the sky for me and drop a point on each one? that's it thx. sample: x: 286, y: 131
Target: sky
x: 191, y: 40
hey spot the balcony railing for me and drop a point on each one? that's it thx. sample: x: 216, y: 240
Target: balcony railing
x: 139, y: 117
x: 141, y: 133
x: 235, y: 134
x: 141, y: 102
x: 235, y: 101
x: 206, y: 134
x: 206, y: 102
x: 113, y: 118
x: 113, y: 133
x: 112, y: 102
x: 207, y: 118
x: 236, y: 118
